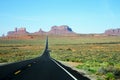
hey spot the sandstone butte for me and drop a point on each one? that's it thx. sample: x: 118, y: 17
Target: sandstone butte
x: 55, y: 30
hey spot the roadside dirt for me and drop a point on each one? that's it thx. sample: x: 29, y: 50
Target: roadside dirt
x: 73, y: 66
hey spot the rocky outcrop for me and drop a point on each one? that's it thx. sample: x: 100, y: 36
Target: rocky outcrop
x: 17, y: 31
x: 112, y: 32
x: 55, y: 30
x: 40, y: 32
x: 60, y: 30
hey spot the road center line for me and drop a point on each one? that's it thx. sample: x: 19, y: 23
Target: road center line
x: 64, y: 70
x: 17, y: 72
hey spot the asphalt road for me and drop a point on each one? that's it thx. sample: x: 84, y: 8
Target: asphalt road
x: 40, y: 68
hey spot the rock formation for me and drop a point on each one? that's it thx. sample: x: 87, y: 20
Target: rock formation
x: 60, y: 30
x: 55, y: 30
x: 40, y: 32
x: 113, y: 32
x: 18, y: 31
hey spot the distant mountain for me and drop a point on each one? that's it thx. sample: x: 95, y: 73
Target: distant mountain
x: 40, y: 32
x: 113, y: 32
x: 55, y: 30
x: 17, y: 31
x: 60, y: 30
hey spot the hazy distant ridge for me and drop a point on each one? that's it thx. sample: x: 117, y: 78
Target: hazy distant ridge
x: 113, y: 31
x: 58, y: 30
x: 55, y: 30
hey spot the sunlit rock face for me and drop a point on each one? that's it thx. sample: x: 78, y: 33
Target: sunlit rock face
x: 55, y: 30
x: 113, y: 31
x: 18, y: 31
x: 63, y: 29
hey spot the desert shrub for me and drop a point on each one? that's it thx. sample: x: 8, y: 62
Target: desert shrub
x: 110, y: 76
x: 92, y: 70
x: 69, y: 49
x: 116, y: 72
x: 61, y: 49
x: 102, y: 70
x: 110, y: 72
x: 2, y: 60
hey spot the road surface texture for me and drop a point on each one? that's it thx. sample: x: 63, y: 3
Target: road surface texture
x: 40, y: 68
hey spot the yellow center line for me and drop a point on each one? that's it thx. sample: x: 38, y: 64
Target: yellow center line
x: 29, y: 65
x: 17, y: 72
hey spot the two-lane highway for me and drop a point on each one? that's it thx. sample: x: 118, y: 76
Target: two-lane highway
x: 40, y: 68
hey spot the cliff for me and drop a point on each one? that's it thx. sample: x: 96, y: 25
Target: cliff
x: 17, y: 31
x: 60, y: 30
x: 55, y: 30
x: 112, y: 32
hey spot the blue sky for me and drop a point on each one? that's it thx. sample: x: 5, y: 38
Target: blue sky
x: 83, y: 16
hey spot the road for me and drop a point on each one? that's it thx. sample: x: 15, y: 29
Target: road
x: 40, y: 68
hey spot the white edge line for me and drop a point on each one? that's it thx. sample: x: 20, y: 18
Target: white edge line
x: 65, y: 70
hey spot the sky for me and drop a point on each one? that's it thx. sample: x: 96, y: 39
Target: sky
x: 83, y: 16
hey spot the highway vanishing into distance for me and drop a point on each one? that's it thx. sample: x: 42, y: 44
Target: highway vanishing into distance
x: 40, y: 68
